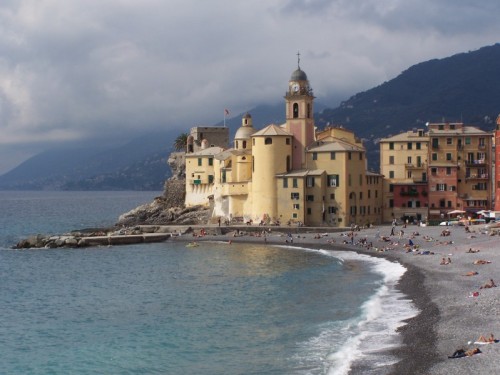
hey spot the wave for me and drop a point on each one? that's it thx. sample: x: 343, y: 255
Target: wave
x: 363, y: 342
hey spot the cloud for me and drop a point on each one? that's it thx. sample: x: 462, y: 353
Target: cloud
x: 82, y: 69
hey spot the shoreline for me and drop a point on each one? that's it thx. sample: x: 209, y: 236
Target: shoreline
x: 449, y: 318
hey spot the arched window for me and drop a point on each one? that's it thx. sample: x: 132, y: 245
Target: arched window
x: 236, y: 144
x: 244, y: 144
x: 295, y: 110
x: 268, y: 141
x: 288, y: 166
x: 308, y: 110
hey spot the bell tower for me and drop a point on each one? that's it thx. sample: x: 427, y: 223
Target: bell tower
x: 299, y: 100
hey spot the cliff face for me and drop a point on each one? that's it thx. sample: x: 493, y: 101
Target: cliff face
x: 168, y: 208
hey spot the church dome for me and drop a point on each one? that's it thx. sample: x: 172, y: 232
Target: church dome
x: 298, y: 75
x: 244, y: 132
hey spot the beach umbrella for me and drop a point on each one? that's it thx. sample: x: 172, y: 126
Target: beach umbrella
x: 456, y: 212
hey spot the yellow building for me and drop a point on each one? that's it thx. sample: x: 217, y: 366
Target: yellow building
x: 287, y: 173
x: 403, y: 163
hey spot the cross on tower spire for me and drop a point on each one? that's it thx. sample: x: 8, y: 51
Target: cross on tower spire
x: 298, y: 59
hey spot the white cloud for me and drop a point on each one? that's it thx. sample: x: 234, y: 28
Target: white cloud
x: 71, y: 69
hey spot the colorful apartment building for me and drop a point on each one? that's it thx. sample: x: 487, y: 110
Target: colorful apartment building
x: 430, y: 174
x: 403, y: 163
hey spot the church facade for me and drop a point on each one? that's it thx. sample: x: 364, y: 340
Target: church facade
x: 287, y: 174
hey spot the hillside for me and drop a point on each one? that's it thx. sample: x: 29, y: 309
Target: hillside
x: 463, y: 87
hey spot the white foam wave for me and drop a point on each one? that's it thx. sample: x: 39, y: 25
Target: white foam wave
x: 382, y: 314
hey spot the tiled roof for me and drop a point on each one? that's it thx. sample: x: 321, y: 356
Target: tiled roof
x: 271, y: 130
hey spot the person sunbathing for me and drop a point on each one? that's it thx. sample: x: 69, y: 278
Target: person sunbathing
x: 481, y: 261
x: 488, y: 340
x: 444, y: 262
x: 489, y: 284
x: 471, y: 273
x: 460, y: 353
x: 472, y: 251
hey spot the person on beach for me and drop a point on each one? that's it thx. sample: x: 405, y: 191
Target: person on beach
x: 489, y: 284
x: 481, y: 261
x: 460, y: 353
x: 472, y: 251
x: 471, y: 273
x: 488, y: 340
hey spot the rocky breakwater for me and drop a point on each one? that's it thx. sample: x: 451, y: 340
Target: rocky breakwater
x: 123, y: 236
x: 169, y: 208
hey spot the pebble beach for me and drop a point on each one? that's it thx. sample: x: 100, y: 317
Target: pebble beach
x: 455, y: 310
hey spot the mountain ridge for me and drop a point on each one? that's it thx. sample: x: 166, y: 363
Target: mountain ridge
x: 458, y: 88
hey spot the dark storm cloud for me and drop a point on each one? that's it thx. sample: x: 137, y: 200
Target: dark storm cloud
x: 71, y: 70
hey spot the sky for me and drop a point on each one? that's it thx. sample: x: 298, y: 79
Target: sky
x: 83, y: 70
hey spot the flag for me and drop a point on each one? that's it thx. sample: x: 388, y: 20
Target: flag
x: 226, y: 112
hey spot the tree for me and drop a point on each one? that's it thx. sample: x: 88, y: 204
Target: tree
x: 180, y: 142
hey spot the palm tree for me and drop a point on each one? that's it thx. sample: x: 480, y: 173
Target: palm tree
x: 180, y: 142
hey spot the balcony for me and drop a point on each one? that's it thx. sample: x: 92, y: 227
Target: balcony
x: 475, y: 162
x: 484, y: 176
x: 417, y: 166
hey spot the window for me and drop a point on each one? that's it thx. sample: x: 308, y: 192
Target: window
x: 434, y: 156
x: 268, y: 141
x: 369, y: 194
x: 295, y: 196
x: 360, y: 156
x: 296, y: 206
x: 409, y: 174
x: 199, y: 162
x: 285, y: 183
x: 332, y: 196
x: 332, y: 155
x: 295, y: 183
x: 288, y: 141
x: 467, y: 140
x: 391, y: 159
x: 434, y: 171
x: 210, y: 179
x: 310, y: 198
x: 391, y: 188
x: 441, y: 187
x: 333, y: 180
x: 332, y: 210
x: 294, y: 215
x: 295, y: 110
x: 349, y: 155
x: 315, y: 156
x: 448, y: 156
x: 409, y: 160
x: 244, y: 144
x: 391, y: 203
x: 310, y: 181
x: 391, y: 174
x: 409, y: 145
x: 309, y: 211
x: 391, y: 145
x: 349, y: 177
x: 449, y: 141
x: 418, y: 145
x: 435, y: 142
x: 448, y: 171
x: 211, y: 161
x: 481, y: 143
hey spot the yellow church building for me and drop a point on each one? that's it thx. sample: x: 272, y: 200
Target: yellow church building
x: 287, y: 174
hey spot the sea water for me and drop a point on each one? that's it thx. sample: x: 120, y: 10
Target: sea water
x: 166, y: 309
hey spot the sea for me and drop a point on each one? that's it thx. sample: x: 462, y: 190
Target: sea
x: 163, y: 308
